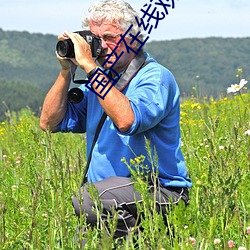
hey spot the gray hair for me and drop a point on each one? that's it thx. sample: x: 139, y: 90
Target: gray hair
x: 116, y: 12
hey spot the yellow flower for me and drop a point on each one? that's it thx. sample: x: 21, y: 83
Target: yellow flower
x: 195, y: 105
x: 138, y: 160
x: 132, y: 162
x: 240, y: 70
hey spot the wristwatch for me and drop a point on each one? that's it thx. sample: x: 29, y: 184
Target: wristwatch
x: 92, y: 72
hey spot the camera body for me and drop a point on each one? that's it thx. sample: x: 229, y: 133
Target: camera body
x: 65, y: 48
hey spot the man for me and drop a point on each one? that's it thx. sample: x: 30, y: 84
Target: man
x: 143, y: 105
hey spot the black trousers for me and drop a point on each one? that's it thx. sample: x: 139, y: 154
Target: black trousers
x: 119, y: 194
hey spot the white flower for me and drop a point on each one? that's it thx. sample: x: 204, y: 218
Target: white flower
x: 242, y: 248
x: 192, y: 240
x: 247, y: 133
x: 237, y: 87
x: 217, y: 241
x: 22, y: 210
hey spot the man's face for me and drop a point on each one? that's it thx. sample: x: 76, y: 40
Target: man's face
x: 110, y: 35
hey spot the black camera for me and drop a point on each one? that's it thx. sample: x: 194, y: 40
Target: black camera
x: 65, y: 48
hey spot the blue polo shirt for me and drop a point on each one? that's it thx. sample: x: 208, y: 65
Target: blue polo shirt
x: 154, y: 97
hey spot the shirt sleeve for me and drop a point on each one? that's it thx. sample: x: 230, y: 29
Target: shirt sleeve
x: 153, y: 97
x: 75, y: 117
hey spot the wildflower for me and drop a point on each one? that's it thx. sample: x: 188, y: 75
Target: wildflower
x: 137, y: 160
x: 198, y: 182
x: 22, y: 210
x: 242, y: 248
x: 230, y: 244
x: 240, y: 70
x: 192, y: 240
x: 247, y: 133
x: 14, y: 188
x: 45, y: 216
x: 132, y: 162
x: 237, y: 87
x: 248, y: 230
x: 221, y: 147
x: 216, y: 241
x: 195, y: 106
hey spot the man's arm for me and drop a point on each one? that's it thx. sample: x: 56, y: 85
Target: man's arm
x: 55, y: 103
x: 116, y: 105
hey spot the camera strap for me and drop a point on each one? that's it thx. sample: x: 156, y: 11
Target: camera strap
x: 136, y: 64
x: 125, y: 78
x: 97, y: 132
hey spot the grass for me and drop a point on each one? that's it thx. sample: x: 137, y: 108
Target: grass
x: 40, y: 172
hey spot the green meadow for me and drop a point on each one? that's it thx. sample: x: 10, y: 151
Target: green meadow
x: 40, y: 172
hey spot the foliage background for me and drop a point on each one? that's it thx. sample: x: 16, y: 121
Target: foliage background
x: 40, y: 172
x: 28, y: 66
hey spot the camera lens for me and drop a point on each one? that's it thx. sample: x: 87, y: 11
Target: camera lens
x: 65, y: 48
x: 75, y: 95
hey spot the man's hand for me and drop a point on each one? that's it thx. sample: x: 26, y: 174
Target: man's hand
x: 66, y: 63
x: 83, y: 54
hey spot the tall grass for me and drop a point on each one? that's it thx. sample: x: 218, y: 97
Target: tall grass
x: 40, y: 172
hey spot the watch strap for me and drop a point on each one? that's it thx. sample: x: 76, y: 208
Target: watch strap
x: 92, y: 72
